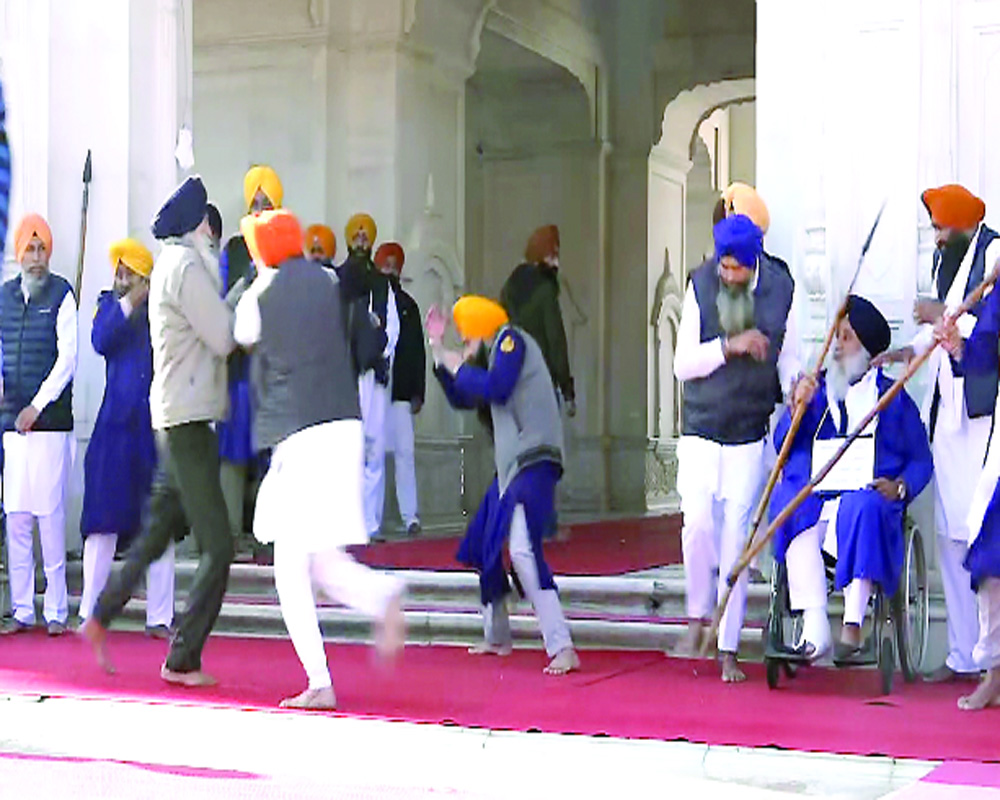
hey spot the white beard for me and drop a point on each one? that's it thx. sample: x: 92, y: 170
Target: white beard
x: 845, y: 372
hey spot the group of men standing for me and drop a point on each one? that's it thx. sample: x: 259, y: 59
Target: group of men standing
x: 737, y: 339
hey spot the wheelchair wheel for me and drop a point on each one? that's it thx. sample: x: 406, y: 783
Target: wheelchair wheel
x: 772, y: 667
x: 911, y: 609
x: 886, y: 663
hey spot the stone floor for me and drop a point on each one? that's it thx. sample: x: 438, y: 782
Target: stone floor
x: 296, y: 755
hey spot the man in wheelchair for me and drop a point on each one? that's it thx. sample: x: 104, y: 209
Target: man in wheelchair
x: 858, y: 511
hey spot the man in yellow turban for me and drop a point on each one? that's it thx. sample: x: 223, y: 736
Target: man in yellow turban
x: 365, y: 285
x: 528, y: 450
x: 320, y: 244
x: 262, y: 191
x: 38, y: 340
x: 958, y: 405
x: 121, y: 456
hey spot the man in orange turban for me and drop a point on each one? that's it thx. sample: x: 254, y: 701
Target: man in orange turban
x: 121, y: 455
x: 959, y: 407
x: 365, y: 285
x: 531, y: 298
x: 262, y: 191
x: 320, y: 244
x: 528, y: 449
x: 308, y: 416
x: 409, y: 368
x: 38, y: 339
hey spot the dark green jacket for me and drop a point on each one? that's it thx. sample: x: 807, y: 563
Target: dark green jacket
x: 531, y: 299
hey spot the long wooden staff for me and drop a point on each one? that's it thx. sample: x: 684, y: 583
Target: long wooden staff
x: 87, y: 174
x: 800, y: 408
x: 911, y: 369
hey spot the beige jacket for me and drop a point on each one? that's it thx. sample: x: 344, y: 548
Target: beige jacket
x: 191, y: 329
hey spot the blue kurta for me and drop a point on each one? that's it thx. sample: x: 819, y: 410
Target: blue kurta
x: 534, y: 487
x: 869, y: 527
x: 236, y: 430
x: 121, y: 455
x: 979, y: 356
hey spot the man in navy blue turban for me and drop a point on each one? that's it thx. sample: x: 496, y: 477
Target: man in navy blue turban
x: 736, y: 340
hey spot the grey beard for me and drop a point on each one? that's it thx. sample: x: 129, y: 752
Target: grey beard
x: 735, y: 306
x: 35, y: 286
x: 843, y: 373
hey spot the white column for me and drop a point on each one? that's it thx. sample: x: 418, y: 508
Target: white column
x: 99, y: 76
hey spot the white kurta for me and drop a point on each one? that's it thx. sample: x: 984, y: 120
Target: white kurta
x: 719, y: 484
x: 37, y: 464
x: 958, y: 443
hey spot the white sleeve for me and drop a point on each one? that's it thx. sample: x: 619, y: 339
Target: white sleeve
x: 391, y: 324
x: 246, y: 326
x: 66, y: 343
x: 789, y: 361
x: 694, y: 358
x: 923, y: 341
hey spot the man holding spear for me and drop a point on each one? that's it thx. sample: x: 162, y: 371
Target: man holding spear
x: 958, y: 408
x: 736, y: 339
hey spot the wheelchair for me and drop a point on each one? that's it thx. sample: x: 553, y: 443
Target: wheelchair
x: 898, y: 624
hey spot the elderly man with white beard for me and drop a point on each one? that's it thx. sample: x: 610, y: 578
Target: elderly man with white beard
x: 867, y: 522
x: 736, y: 340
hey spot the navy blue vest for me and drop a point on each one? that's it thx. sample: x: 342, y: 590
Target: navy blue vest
x: 28, y: 336
x: 981, y: 388
x: 734, y: 403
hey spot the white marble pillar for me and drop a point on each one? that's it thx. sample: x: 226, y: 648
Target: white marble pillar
x: 100, y: 76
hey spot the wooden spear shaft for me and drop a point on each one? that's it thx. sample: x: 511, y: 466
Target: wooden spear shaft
x: 800, y: 408
x: 782, y: 518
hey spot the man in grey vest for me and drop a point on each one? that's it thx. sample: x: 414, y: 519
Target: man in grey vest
x: 310, y: 501
x: 191, y: 332
x: 519, y: 507
x: 734, y: 343
x: 958, y: 408
x: 38, y: 338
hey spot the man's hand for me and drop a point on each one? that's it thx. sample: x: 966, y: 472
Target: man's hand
x: 751, y: 343
x: 415, y: 405
x: 946, y: 332
x: 902, y: 355
x: 890, y: 490
x: 26, y: 419
x: 452, y: 361
x: 804, y: 390
x: 137, y: 295
x: 571, y: 407
x: 927, y: 312
x: 436, y: 323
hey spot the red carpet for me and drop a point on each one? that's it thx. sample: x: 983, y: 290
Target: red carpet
x: 626, y: 694
x: 594, y: 548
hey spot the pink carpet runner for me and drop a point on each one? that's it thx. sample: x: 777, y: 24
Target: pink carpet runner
x: 625, y: 694
x: 593, y: 548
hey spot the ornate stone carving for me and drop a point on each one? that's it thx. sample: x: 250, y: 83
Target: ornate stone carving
x: 665, y: 318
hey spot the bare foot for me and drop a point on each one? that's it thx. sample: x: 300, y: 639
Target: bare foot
x: 731, y: 672
x: 566, y: 660
x: 97, y: 635
x: 986, y: 694
x: 487, y: 649
x: 689, y: 645
x: 390, y: 631
x: 315, y: 699
x: 191, y: 680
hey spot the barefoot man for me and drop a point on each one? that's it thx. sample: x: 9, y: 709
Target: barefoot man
x: 310, y: 501
x: 528, y: 448
x: 734, y: 342
x: 977, y: 355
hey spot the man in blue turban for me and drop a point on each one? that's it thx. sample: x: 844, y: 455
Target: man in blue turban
x: 191, y: 333
x: 736, y: 340
x: 862, y: 525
